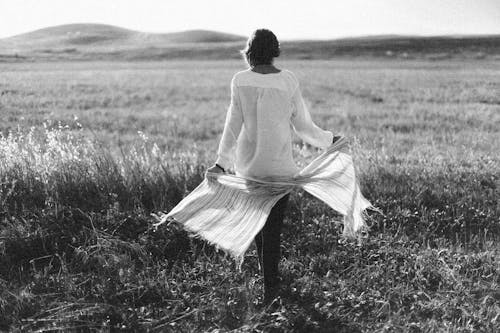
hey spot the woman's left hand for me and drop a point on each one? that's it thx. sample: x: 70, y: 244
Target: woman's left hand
x: 336, y: 138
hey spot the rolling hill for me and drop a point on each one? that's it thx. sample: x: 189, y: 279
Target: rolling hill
x: 71, y: 34
x: 92, y: 35
x: 85, y: 41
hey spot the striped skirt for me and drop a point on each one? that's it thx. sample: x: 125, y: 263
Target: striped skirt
x: 228, y: 210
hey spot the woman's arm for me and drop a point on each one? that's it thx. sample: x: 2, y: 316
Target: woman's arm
x: 232, y: 128
x: 304, y: 126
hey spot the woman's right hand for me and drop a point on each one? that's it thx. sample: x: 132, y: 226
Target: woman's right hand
x: 215, y: 169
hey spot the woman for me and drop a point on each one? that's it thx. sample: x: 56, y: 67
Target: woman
x: 266, y: 103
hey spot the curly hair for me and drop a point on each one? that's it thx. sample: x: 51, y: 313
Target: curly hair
x: 262, y: 47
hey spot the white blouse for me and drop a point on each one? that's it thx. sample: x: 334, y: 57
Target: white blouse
x: 257, y: 136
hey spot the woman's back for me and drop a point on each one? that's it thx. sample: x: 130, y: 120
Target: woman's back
x: 258, y: 131
x: 264, y: 146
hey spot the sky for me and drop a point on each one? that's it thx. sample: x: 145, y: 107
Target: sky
x: 288, y: 19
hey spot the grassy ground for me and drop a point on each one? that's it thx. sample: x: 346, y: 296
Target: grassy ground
x: 76, y: 190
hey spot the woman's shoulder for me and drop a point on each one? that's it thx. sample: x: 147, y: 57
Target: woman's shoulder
x: 242, y: 72
x: 291, y: 75
x: 237, y: 77
x: 291, y: 79
x: 285, y: 79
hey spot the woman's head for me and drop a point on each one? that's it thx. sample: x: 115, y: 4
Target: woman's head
x: 262, y: 48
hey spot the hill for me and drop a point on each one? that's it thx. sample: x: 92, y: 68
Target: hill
x: 101, y: 38
x: 99, y: 41
x: 434, y: 48
x: 70, y: 34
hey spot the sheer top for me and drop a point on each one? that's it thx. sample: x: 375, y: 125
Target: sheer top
x: 264, y: 111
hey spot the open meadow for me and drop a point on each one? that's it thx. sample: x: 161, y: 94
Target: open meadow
x: 90, y: 149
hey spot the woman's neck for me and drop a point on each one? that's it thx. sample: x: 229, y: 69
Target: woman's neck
x: 265, y: 69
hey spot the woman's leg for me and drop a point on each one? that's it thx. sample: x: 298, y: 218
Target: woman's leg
x: 268, y: 248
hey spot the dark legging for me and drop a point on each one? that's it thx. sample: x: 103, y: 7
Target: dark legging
x: 268, y: 247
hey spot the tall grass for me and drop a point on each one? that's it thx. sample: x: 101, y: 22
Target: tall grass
x: 55, y: 168
x: 75, y: 217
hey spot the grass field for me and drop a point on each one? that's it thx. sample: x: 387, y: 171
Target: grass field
x: 90, y: 149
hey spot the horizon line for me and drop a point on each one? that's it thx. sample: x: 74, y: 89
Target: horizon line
x: 302, y: 39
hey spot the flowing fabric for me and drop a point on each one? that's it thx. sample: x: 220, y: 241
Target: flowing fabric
x: 228, y: 211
